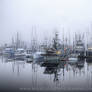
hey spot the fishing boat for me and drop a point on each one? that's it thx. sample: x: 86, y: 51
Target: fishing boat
x: 29, y: 57
x: 89, y: 54
x: 38, y: 56
x: 89, y: 50
x: 73, y: 58
x: 8, y: 52
x: 20, y: 54
x: 51, y: 57
x: 80, y: 48
x: 52, y: 54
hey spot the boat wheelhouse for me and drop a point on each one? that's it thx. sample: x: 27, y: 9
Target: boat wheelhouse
x: 80, y: 48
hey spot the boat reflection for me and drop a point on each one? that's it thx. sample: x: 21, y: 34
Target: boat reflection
x: 64, y: 74
x: 54, y: 70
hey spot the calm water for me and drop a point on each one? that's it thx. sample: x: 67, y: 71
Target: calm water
x: 20, y: 75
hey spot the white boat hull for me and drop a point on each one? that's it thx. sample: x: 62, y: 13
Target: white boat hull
x: 73, y: 59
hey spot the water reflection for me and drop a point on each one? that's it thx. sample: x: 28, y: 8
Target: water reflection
x: 37, y: 75
x: 55, y: 70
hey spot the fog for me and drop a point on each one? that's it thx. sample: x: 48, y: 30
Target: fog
x: 43, y: 17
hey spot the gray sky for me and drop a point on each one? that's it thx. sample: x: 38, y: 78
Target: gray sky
x: 45, y: 15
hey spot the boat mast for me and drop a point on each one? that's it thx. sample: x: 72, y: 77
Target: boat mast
x: 33, y: 40
x: 63, y: 39
x: 69, y: 39
x: 55, y: 41
x: 17, y: 41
